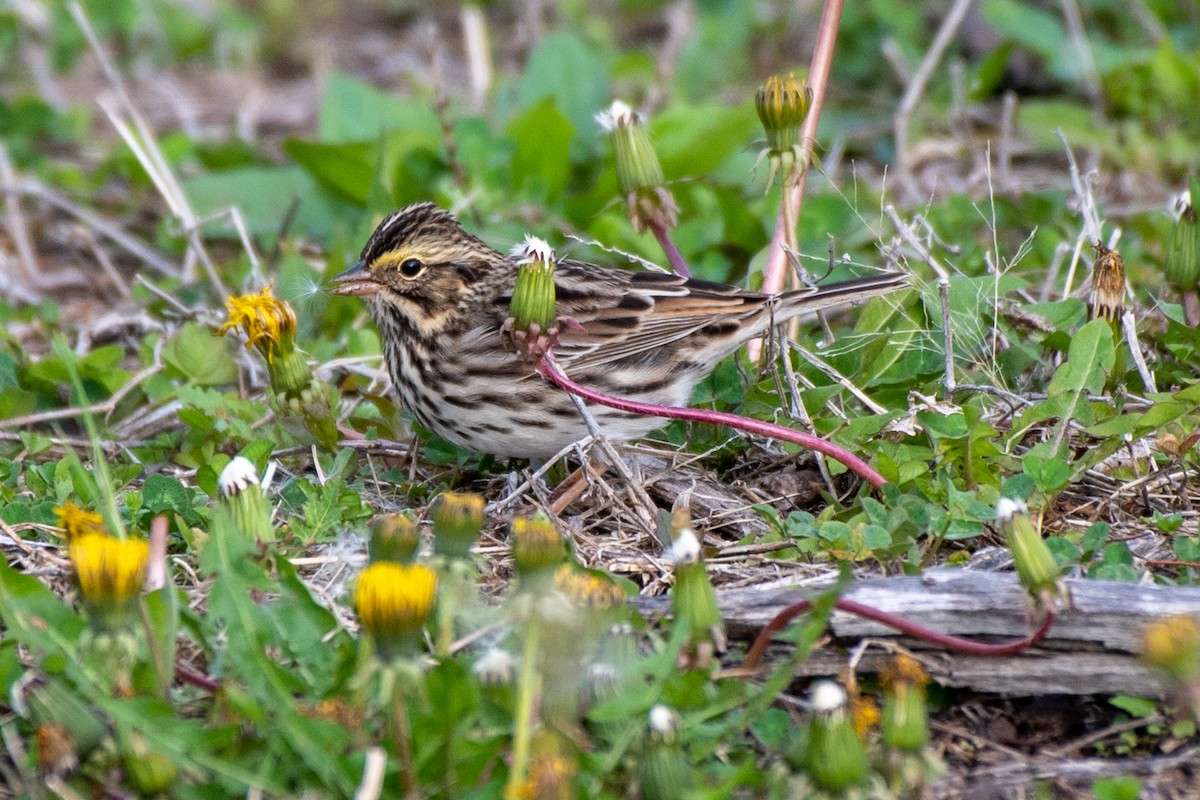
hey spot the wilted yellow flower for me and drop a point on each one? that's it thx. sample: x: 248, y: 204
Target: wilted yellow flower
x: 394, y: 600
x: 77, y: 521
x: 111, y: 571
x: 269, y: 323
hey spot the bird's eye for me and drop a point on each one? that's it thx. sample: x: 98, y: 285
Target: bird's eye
x: 411, y: 267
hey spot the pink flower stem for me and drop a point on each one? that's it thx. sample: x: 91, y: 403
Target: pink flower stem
x: 674, y: 257
x: 952, y: 643
x: 550, y: 368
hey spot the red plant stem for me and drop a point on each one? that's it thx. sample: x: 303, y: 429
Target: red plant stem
x: 953, y: 643
x: 674, y: 257
x: 197, y: 679
x: 551, y: 369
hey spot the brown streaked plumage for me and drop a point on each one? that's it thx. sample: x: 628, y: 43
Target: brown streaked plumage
x: 440, y: 296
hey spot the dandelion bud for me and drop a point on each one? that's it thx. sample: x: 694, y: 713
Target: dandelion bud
x: 457, y: 521
x: 393, y: 602
x: 242, y: 494
x: 836, y: 757
x: 639, y: 173
x: 905, y: 712
x: 663, y: 771
x: 1172, y: 645
x: 1036, y: 567
x: 394, y: 537
x: 537, y: 549
x: 782, y: 104
x: 693, y: 599
x: 1182, y: 262
x: 150, y: 771
x: 533, y: 297
x: 1107, y: 300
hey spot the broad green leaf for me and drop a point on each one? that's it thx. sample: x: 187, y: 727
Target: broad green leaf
x: 353, y: 112
x: 164, y: 493
x: 562, y: 67
x: 200, y: 356
x: 347, y: 170
x: 543, y: 136
x: 265, y: 196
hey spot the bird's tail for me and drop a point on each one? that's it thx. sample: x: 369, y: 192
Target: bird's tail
x: 814, y: 298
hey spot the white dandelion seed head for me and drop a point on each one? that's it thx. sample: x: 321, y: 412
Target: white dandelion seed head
x: 237, y: 475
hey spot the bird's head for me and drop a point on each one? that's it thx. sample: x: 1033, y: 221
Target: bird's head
x: 422, y: 263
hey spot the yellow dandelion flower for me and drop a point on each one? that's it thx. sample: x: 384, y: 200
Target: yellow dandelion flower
x: 77, y: 521
x: 588, y: 589
x: 1172, y: 644
x: 269, y: 323
x: 536, y: 543
x: 394, y: 600
x: 111, y: 571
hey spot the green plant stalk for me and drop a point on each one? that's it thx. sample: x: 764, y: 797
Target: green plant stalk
x: 447, y: 608
x: 527, y: 690
x: 402, y: 736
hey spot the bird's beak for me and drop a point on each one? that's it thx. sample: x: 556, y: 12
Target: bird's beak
x: 356, y: 281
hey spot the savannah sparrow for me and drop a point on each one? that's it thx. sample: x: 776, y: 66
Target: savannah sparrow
x: 440, y: 296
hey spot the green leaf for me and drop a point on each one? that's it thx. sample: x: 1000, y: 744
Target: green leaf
x: 543, y: 137
x: 348, y: 170
x: 562, y: 67
x: 163, y: 493
x: 200, y: 356
x: 265, y: 196
x: 354, y: 111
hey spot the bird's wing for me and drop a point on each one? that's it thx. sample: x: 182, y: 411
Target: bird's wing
x: 627, y: 315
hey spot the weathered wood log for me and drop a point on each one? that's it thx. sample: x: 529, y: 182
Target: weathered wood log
x: 1091, y: 649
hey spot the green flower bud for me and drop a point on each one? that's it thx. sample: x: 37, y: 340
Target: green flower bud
x: 836, y: 758
x: 905, y: 711
x: 533, y: 298
x: 394, y: 537
x: 290, y: 374
x: 782, y: 104
x: 693, y: 599
x: 1182, y: 262
x: 537, y: 550
x: 242, y: 494
x: 457, y: 521
x: 663, y: 771
x: 639, y: 173
x: 1036, y: 567
x: 150, y: 771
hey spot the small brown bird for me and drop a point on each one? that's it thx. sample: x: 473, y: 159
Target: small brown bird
x: 440, y: 296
